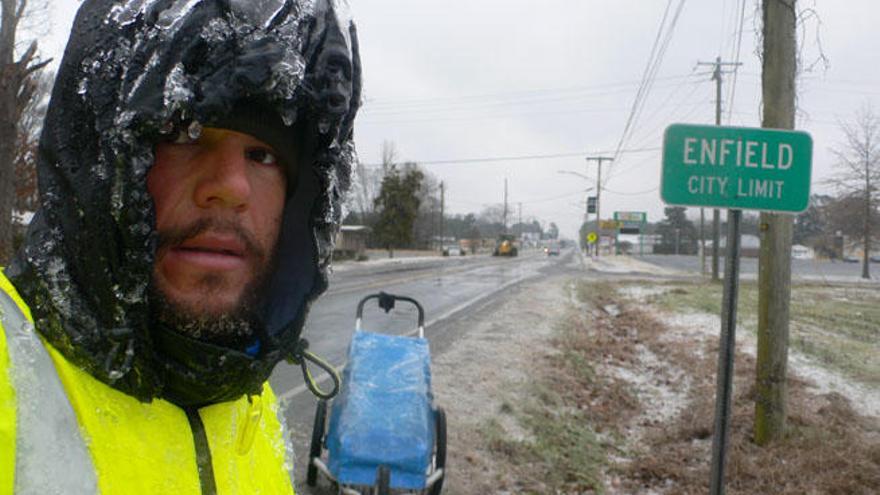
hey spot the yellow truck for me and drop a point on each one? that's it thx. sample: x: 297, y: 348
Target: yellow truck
x: 505, y: 245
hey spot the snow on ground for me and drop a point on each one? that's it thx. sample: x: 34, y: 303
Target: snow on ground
x: 486, y: 373
x: 626, y: 264
x: 641, y: 293
x: 661, y: 387
x: 704, y: 326
x: 343, y: 266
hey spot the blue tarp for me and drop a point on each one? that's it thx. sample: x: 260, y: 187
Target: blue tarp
x: 383, y: 414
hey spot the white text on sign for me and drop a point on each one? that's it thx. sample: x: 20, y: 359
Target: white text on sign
x: 738, y: 153
x: 753, y: 188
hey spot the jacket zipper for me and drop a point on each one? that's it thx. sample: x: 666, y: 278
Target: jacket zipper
x: 203, y: 452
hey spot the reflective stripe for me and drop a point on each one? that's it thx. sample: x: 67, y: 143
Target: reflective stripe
x: 50, y: 455
x: 137, y: 448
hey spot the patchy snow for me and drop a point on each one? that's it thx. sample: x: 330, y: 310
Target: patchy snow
x: 625, y: 264
x: 708, y: 326
x: 641, y: 293
x: 486, y: 374
x: 342, y: 266
x: 866, y: 400
x: 661, y: 387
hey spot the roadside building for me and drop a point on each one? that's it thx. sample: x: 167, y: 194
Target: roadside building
x: 749, y: 246
x: 351, y: 242
x: 800, y: 252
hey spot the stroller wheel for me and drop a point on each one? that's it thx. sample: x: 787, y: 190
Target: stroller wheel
x: 439, y: 448
x: 383, y: 481
x: 317, y: 441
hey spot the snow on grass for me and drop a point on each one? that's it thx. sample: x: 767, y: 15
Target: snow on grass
x: 626, y: 264
x: 641, y: 293
x: 343, y: 266
x: 661, y: 387
x: 704, y: 326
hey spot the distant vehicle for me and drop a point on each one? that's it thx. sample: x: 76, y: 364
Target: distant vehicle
x: 851, y: 259
x: 552, y: 250
x: 453, y: 251
x: 505, y: 245
x: 875, y: 258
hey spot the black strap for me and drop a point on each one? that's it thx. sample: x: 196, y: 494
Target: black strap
x: 203, y: 452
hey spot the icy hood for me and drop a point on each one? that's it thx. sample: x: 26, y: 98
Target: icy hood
x: 132, y: 69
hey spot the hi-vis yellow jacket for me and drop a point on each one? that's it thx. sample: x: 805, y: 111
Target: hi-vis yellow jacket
x: 64, y: 432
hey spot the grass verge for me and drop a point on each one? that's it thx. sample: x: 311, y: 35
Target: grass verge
x: 837, y: 326
x: 565, y: 448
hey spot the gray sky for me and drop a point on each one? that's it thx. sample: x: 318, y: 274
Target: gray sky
x: 461, y: 79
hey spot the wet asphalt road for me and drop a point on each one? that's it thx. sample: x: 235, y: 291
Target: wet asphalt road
x: 449, y: 289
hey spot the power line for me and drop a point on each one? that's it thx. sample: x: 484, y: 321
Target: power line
x: 742, y: 16
x: 637, y: 193
x: 654, y: 60
x: 371, y: 104
x: 509, y: 158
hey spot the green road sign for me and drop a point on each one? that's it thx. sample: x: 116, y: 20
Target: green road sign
x: 630, y: 218
x: 736, y: 167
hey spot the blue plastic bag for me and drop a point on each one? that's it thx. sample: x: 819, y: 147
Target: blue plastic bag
x: 383, y: 414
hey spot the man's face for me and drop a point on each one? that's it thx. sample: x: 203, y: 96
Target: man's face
x: 218, y: 202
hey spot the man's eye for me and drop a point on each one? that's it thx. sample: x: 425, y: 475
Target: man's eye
x: 262, y: 156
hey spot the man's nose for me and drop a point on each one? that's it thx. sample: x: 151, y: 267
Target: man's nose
x: 223, y: 177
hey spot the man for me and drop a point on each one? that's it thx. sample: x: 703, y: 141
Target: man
x: 191, y: 168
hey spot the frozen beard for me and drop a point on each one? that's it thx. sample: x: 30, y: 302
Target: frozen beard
x: 237, y: 326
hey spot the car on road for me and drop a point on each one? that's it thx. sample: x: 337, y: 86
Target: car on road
x: 851, y: 259
x: 552, y: 250
x: 453, y: 251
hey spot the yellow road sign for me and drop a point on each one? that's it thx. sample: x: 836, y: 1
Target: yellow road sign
x: 592, y: 238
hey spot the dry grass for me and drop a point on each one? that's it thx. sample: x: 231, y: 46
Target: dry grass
x: 828, y: 448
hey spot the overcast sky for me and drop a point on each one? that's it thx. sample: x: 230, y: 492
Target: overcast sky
x: 452, y: 80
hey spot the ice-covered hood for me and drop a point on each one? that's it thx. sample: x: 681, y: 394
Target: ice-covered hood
x: 131, y: 69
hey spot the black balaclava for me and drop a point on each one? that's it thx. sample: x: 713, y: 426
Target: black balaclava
x: 134, y: 69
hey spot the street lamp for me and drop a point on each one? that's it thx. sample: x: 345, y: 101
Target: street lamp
x: 572, y: 172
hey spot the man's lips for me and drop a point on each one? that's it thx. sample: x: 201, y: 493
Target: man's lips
x: 209, y: 252
x: 214, y: 243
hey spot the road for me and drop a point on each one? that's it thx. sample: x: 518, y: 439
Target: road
x: 807, y: 269
x: 447, y: 288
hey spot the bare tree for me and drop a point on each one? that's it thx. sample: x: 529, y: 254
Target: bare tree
x: 18, y: 85
x: 366, y: 186
x: 389, y: 156
x: 29, y: 127
x: 427, y: 222
x: 858, y: 164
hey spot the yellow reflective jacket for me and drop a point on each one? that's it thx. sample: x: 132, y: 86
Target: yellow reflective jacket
x: 62, y: 431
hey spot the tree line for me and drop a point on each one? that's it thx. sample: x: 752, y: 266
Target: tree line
x: 403, y: 205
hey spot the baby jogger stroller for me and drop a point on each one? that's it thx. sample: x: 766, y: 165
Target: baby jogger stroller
x: 384, y: 434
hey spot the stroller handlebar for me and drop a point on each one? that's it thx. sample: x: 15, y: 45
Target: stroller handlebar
x: 387, y: 302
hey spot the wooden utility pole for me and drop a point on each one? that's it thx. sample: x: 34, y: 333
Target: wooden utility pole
x: 505, y: 205
x: 599, y: 160
x: 774, y: 265
x: 442, y: 213
x: 520, y: 224
x: 717, y: 74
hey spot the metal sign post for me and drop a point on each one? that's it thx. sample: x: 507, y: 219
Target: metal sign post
x: 727, y: 347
